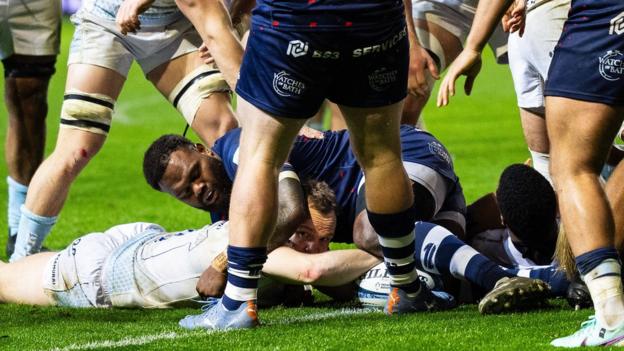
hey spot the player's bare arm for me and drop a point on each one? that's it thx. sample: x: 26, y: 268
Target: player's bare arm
x: 421, y: 64
x: 332, y: 268
x: 212, y: 21
x: 468, y: 63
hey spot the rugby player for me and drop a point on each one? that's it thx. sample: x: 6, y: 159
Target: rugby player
x: 202, y: 177
x: 529, y: 59
x: 140, y: 265
x: 165, y: 45
x: 584, y: 113
x: 29, y: 43
x: 298, y: 54
x: 440, y: 27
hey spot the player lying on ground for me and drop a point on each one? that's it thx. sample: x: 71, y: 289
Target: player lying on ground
x: 165, y: 45
x: 142, y: 265
x: 202, y: 177
x: 199, y: 177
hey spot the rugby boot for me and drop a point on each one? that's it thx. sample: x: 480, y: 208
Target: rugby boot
x: 578, y: 295
x: 592, y: 334
x: 400, y: 302
x: 515, y: 293
x: 217, y: 317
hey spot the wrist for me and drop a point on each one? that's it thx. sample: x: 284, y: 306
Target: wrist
x: 220, y: 263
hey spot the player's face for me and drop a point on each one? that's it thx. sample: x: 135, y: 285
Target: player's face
x: 197, y: 178
x: 315, y: 234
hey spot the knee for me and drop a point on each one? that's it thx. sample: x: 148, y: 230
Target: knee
x: 364, y: 236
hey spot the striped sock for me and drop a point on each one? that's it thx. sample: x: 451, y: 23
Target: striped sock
x: 601, y: 271
x: 396, y: 237
x: 438, y: 251
x: 244, y: 267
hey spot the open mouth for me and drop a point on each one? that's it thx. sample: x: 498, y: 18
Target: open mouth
x: 210, y: 196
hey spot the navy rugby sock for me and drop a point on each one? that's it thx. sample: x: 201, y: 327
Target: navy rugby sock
x: 244, y: 267
x: 439, y: 251
x: 396, y: 237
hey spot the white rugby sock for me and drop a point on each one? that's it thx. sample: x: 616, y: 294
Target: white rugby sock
x: 541, y: 163
x: 605, y: 286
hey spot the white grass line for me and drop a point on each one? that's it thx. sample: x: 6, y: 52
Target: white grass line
x: 170, y: 335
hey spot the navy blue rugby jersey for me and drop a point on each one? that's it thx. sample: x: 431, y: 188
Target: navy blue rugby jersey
x: 330, y: 159
x: 327, y: 14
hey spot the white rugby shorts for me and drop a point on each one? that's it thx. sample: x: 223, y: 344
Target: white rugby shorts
x: 30, y: 27
x: 455, y: 17
x: 97, y: 42
x: 530, y: 56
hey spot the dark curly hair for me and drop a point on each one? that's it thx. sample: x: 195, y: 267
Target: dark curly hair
x: 320, y: 196
x: 157, y: 156
x: 527, y: 203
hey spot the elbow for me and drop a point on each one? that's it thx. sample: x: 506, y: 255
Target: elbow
x: 312, y: 274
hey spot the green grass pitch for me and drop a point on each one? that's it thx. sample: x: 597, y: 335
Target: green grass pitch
x: 482, y: 133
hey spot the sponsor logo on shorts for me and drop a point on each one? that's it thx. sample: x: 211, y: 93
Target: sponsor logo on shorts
x: 386, y: 45
x: 381, y: 79
x: 617, y: 25
x: 297, y: 48
x: 611, y: 65
x: 320, y: 54
x: 285, y: 85
x: 438, y: 150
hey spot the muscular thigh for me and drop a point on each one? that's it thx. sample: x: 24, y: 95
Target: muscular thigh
x: 581, y: 131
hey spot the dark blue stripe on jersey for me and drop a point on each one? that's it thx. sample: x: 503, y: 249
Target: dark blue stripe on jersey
x: 247, y: 283
x: 399, y: 252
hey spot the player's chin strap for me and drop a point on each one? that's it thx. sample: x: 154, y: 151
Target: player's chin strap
x: 186, y: 130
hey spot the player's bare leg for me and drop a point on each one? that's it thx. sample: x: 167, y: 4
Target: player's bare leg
x: 25, y: 97
x: 536, y: 137
x: 22, y: 282
x: 614, y: 192
x: 580, y: 134
x: 75, y: 147
x: 264, y: 145
x: 428, y: 34
x: 390, y: 204
x: 214, y: 116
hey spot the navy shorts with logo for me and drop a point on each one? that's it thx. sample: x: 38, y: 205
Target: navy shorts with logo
x: 588, y: 63
x: 289, y: 72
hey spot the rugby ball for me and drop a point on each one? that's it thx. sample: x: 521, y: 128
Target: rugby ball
x: 374, y: 285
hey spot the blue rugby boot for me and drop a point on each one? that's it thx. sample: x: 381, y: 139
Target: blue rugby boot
x: 217, y: 317
x: 425, y: 300
x: 592, y: 334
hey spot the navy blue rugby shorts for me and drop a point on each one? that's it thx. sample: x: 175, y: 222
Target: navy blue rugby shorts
x: 588, y: 62
x: 288, y: 72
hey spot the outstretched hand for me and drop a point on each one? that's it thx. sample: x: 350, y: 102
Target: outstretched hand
x: 127, y: 18
x: 468, y: 63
